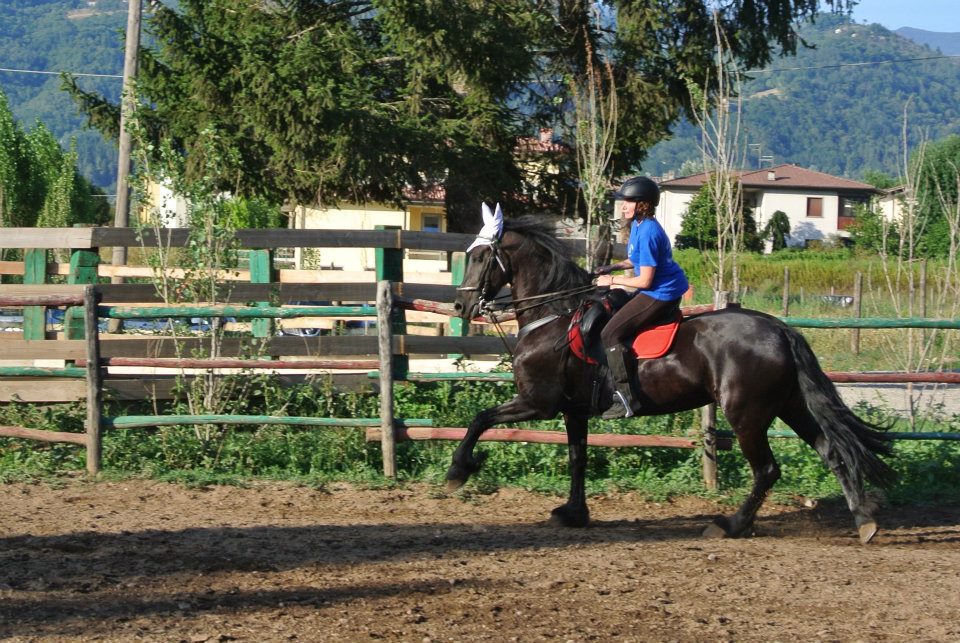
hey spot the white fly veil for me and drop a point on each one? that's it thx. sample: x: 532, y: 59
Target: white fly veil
x: 492, y: 227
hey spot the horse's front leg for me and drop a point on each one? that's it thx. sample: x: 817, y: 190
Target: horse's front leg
x: 464, y: 462
x: 575, y: 513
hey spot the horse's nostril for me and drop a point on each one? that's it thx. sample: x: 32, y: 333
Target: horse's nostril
x: 457, y: 306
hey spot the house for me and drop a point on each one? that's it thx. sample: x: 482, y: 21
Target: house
x: 818, y: 205
x: 160, y: 201
x: 890, y: 203
x: 422, y: 211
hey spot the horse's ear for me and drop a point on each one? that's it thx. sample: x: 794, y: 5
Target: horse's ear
x: 487, y: 214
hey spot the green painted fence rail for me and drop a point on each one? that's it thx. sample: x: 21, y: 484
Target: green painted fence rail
x: 141, y: 421
x: 870, y: 322
x: 40, y: 371
x: 239, y: 312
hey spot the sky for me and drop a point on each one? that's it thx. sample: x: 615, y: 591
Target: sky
x: 932, y: 15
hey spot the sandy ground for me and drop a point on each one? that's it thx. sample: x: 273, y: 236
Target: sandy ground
x: 146, y: 561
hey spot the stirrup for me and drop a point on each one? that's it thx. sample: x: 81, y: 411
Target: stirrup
x: 619, y: 409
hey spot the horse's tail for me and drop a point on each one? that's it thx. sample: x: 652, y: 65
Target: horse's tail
x: 856, y: 442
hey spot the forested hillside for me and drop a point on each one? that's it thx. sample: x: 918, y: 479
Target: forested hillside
x: 839, y: 119
x: 63, y: 35
x: 824, y: 111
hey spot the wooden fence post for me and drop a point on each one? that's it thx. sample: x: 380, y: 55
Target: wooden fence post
x: 83, y: 270
x: 34, y: 272
x: 923, y: 300
x: 786, y: 291
x: 94, y: 380
x: 261, y: 272
x: 390, y: 268
x: 458, y: 266
x: 708, y: 420
x: 857, y: 311
x: 385, y: 343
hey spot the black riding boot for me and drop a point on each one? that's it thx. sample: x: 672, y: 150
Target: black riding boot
x: 624, y: 403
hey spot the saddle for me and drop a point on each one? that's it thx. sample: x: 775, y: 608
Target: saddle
x: 583, y: 333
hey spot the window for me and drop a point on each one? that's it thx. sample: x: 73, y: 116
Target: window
x: 431, y: 223
x: 848, y: 205
x: 848, y: 211
x: 814, y: 206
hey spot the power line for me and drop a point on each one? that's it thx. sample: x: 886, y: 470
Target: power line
x: 747, y: 71
x: 861, y: 64
x: 57, y: 73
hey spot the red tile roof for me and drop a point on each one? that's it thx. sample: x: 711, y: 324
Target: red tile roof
x: 434, y: 193
x: 784, y: 177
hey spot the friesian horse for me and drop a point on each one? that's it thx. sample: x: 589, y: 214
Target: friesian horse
x: 750, y: 364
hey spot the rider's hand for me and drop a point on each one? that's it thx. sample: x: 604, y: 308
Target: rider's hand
x: 603, y: 270
x: 604, y: 281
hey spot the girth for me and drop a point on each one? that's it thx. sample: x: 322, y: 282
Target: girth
x: 543, y: 321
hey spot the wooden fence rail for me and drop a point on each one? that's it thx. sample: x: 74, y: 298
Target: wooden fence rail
x: 90, y: 353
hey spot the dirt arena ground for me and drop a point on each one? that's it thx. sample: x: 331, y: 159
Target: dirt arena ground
x: 144, y: 561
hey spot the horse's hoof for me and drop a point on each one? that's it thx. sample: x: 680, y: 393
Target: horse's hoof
x: 563, y: 516
x: 714, y: 530
x: 867, y: 531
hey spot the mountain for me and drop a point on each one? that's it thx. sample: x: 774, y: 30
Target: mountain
x: 945, y: 42
x: 64, y: 35
x: 837, y: 107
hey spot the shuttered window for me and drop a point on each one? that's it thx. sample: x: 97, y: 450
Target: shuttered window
x: 814, y: 206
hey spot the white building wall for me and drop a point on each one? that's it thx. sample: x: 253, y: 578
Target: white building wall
x: 361, y: 218
x: 169, y: 208
x: 794, y: 205
x: 353, y: 218
x: 674, y: 205
x: 890, y: 206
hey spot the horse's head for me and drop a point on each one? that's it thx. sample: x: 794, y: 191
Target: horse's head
x: 525, y: 253
x: 486, y: 274
x: 486, y: 271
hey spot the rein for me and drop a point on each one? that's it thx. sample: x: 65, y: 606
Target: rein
x: 487, y: 307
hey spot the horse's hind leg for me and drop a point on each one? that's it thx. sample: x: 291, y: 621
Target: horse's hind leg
x: 575, y: 513
x: 750, y: 425
x: 464, y: 463
x: 799, y: 418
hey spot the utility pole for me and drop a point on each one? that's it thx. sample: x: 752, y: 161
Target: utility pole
x: 122, y: 215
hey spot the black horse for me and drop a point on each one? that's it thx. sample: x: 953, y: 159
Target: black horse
x: 751, y: 364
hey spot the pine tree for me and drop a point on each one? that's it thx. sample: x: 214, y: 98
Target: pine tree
x: 354, y: 99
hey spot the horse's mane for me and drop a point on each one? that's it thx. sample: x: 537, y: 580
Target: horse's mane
x: 558, y: 270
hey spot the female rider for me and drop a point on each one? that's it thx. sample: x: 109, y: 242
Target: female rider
x: 659, y: 284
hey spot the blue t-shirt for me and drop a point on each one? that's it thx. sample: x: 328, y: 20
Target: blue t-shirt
x: 650, y: 246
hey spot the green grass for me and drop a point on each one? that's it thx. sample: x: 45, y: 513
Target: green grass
x: 928, y: 470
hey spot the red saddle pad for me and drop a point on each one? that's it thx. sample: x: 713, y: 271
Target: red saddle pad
x: 655, y: 341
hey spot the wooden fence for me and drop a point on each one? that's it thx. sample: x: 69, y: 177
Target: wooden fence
x: 87, y: 352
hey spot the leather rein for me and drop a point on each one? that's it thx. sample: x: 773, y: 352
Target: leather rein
x: 491, y: 308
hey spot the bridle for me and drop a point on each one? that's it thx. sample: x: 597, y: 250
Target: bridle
x: 491, y: 308
x: 486, y: 301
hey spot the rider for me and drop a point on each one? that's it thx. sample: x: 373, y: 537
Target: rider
x: 658, y: 280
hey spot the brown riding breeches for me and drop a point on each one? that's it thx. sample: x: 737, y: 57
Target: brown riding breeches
x: 640, y: 311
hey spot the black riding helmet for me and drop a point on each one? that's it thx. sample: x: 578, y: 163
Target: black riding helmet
x: 639, y: 188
